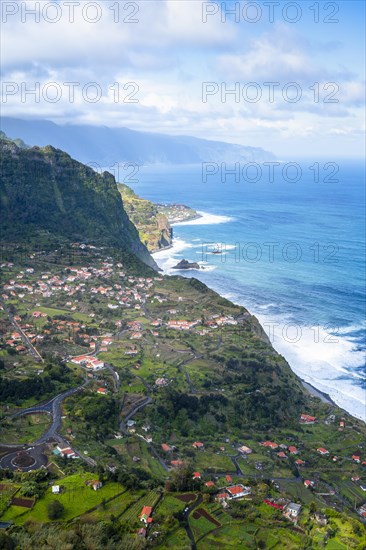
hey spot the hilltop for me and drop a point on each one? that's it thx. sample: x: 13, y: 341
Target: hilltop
x: 47, y: 197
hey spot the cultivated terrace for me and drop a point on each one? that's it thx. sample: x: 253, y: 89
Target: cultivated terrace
x: 140, y: 410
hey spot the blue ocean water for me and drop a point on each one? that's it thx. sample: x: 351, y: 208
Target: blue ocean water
x: 290, y: 251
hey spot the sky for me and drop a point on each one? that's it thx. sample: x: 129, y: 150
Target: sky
x: 285, y: 76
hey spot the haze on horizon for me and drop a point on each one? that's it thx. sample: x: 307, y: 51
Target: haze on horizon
x: 185, y: 67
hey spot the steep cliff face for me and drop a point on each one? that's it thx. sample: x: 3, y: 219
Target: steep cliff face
x: 43, y: 191
x: 153, y: 227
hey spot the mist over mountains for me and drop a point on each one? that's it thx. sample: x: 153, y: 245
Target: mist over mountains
x: 107, y: 146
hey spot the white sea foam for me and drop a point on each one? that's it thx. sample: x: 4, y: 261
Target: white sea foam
x: 207, y: 219
x: 327, y: 361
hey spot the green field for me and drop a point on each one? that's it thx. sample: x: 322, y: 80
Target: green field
x: 25, y: 429
x: 76, y: 497
x: 7, y: 491
x: 132, y: 514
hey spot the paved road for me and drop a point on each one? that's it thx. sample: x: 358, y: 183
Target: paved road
x: 52, y: 407
x: 138, y: 405
x: 187, y: 526
x: 36, y: 452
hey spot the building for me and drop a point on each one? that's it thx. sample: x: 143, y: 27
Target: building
x: 238, y: 491
x: 55, y: 489
x: 269, y: 445
x: 292, y: 450
x: 166, y: 447
x: 322, y: 451
x: 66, y: 452
x: 145, y: 515
x: 307, y: 419
x: 196, y: 475
x: 210, y: 484
x: 103, y: 391
x: 197, y: 445
x: 245, y: 450
x: 308, y: 483
x: 293, y: 509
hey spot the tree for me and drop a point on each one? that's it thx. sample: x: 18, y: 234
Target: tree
x: 55, y: 509
x: 6, y: 543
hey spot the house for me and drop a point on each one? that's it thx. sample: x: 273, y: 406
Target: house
x: 292, y: 450
x: 176, y: 463
x: 322, y: 451
x: 244, y: 450
x: 269, y: 445
x: 107, y: 341
x: 130, y: 423
x: 197, y: 445
x: 355, y: 478
x: 293, y: 509
x: 228, y: 478
x: 55, y: 489
x: 145, y: 515
x: 161, y: 382
x: 308, y: 483
x: 96, y: 485
x: 166, y: 447
x: 363, y: 487
x: 281, y: 454
x: 299, y: 462
x: 196, y: 475
x: 210, y: 484
x: 238, y: 491
x: 103, y: 391
x: 67, y: 452
x: 142, y: 532
x: 356, y: 458
x: 307, y: 419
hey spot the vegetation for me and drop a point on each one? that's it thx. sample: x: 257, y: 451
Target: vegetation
x: 162, y: 423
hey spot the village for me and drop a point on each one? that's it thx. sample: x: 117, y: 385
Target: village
x: 131, y: 339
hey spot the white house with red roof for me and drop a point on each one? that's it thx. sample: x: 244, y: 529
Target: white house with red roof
x: 238, y: 491
x: 307, y: 419
x: 145, y: 515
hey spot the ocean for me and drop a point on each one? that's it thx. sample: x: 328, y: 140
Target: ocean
x: 290, y: 248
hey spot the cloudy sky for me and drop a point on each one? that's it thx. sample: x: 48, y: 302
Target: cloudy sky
x: 285, y: 76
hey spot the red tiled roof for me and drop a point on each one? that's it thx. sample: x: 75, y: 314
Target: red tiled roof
x: 235, y: 489
x: 146, y: 511
x: 210, y: 484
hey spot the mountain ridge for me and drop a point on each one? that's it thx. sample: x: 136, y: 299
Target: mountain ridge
x: 107, y: 146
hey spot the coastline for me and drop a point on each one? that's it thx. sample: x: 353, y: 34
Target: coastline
x: 168, y: 260
x: 324, y: 397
